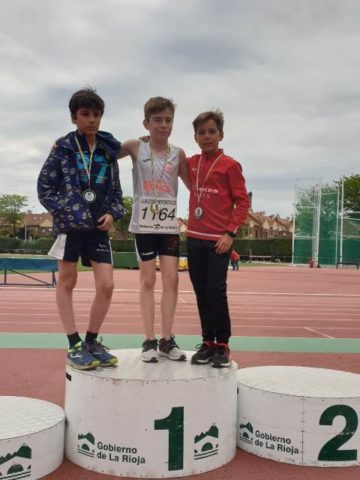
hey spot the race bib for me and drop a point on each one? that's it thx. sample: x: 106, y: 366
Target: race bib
x: 157, y: 215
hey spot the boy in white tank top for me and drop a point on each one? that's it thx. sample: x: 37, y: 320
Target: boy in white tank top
x: 156, y: 167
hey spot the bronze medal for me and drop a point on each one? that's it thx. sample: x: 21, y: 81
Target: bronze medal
x: 198, y: 213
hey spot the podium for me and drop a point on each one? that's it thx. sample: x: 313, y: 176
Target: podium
x: 301, y: 415
x: 31, y: 438
x: 168, y: 419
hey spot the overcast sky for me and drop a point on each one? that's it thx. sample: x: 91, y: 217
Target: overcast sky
x: 286, y: 74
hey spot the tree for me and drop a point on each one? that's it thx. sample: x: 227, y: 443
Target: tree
x: 123, y: 224
x: 11, y: 209
x: 351, y: 192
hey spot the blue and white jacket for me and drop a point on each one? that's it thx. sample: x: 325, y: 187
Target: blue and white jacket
x: 59, y: 189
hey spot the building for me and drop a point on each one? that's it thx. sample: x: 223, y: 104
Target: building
x: 260, y: 226
x: 37, y: 225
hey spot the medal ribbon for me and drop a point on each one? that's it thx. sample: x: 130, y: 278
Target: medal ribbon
x: 86, y: 166
x: 200, y: 191
x: 155, y: 181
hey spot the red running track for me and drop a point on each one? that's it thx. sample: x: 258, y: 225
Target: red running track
x: 268, y: 301
x: 264, y: 301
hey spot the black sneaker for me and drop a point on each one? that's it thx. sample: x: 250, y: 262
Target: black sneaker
x: 204, y: 354
x: 149, y: 352
x: 222, y: 357
x: 169, y: 349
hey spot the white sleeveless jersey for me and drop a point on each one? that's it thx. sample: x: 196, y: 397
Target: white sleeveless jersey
x: 155, y: 185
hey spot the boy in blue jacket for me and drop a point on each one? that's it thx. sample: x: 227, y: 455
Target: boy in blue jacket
x: 79, y: 185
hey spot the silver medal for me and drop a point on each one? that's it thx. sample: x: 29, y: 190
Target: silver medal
x: 198, y: 213
x: 89, y: 195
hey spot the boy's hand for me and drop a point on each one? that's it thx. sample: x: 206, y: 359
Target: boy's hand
x: 145, y: 138
x: 223, y: 244
x: 105, y: 222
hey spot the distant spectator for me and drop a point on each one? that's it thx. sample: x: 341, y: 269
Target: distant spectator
x: 234, y: 259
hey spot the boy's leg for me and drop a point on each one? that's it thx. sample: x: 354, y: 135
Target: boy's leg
x: 170, y: 280
x: 198, y: 270
x: 147, y: 268
x: 78, y: 355
x: 217, y: 296
x: 67, y: 277
x: 147, y: 301
x: 217, y: 275
x: 104, y: 286
x: 146, y: 250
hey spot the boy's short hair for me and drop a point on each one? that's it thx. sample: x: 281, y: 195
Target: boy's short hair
x: 86, y: 98
x: 158, y: 104
x: 215, y: 115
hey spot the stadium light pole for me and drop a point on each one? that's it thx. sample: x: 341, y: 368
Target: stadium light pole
x: 342, y: 220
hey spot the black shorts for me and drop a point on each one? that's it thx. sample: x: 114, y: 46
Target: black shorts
x: 150, y: 245
x: 89, y: 245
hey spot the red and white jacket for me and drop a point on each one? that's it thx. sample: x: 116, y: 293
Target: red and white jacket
x: 224, y: 201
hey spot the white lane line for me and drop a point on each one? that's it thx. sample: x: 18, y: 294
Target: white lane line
x: 317, y: 332
x: 192, y: 325
x: 184, y: 292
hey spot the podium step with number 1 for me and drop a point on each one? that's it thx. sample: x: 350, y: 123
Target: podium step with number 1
x: 168, y: 419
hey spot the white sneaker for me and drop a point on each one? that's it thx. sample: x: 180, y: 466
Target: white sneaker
x: 149, y: 352
x: 169, y: 349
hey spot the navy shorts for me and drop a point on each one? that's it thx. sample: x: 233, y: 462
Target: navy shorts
x: 89, y: 245
x: 150, y: 245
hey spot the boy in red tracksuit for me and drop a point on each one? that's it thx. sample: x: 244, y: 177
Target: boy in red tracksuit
x: 218, y: 206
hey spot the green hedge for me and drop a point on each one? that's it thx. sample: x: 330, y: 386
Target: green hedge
x: 125, y: 260
x: 275, y: 247
x: 9, y: 243
x: 123, y: 245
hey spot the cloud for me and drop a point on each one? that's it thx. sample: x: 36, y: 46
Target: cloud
x: 284, y: 73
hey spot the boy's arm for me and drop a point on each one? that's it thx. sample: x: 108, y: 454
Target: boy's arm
x: 183, y: 168
x: 241, y: 198
x: 130, y: 147
x: 237, y: 190
x: 49, y: 182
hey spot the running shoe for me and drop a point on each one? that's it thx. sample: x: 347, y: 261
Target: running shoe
x: 204, y: 354
x: 101, y: 353
x: 222, y: 357
x: 149, y: 352
x: 169, y: 349
x: 79, y: 357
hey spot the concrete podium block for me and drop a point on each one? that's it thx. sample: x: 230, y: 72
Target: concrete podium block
x: 160, y: 420
x: 301, y: 415
x: 31, y: 438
